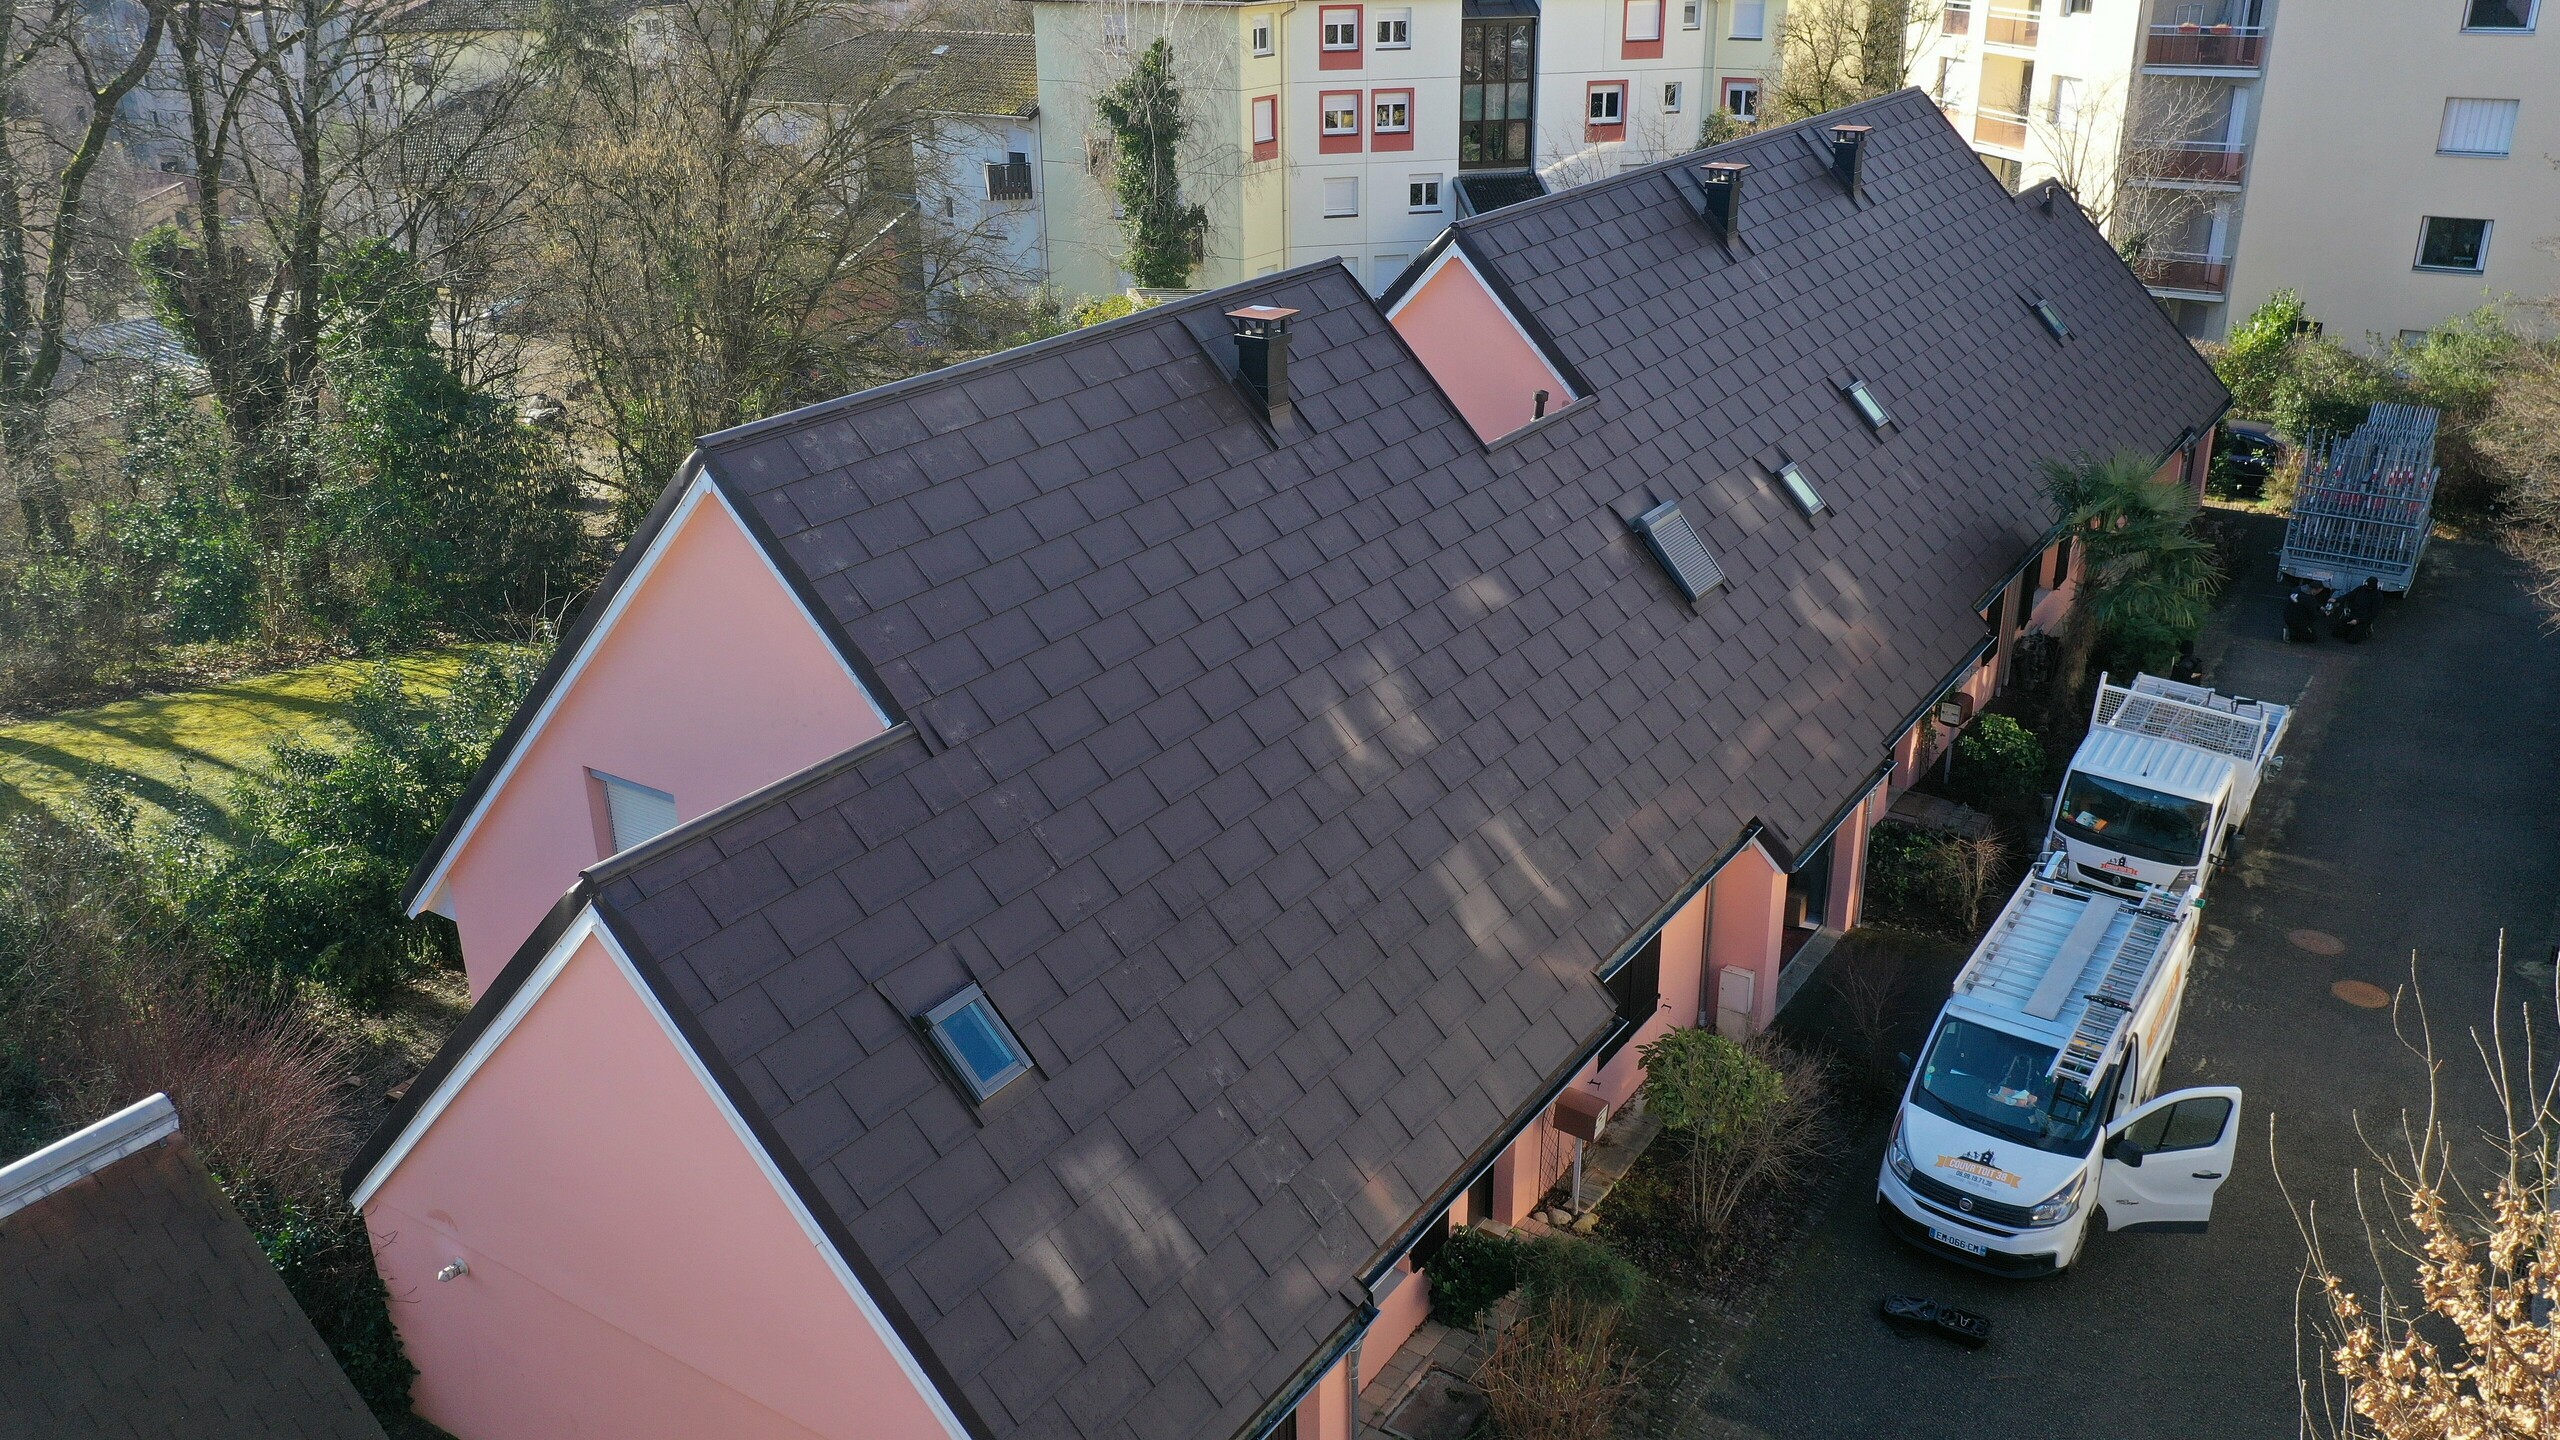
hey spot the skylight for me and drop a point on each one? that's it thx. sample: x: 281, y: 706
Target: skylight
x: 1799, y: 489
x: 2051, y: 317
x: 977, y: 1042
x: 1675, y: 543
x: 1877, y: 416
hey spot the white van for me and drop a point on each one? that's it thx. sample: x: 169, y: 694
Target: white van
x: 2158, y: 791
x: 2033, y: 1104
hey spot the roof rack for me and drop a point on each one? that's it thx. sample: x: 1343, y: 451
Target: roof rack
x: 2099, y: 1035
x: 2155, y: 707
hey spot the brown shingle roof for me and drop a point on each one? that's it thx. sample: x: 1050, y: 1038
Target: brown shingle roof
x: 1286, y: 793
x: 965, y: 72
x: 133, y: 1302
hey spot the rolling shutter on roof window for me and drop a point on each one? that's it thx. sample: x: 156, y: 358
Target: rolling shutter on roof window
x: 2478, y: 127
x: 638, y: 813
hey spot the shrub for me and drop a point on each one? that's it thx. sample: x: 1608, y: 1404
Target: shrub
x: 1750, y: 1115
x: 326, y: 1260
x: 1473, y: 1270
x: 1998, y: 763
x: 1559, y: 1272
x: 1558, y: 1379
x: 1901, y: 872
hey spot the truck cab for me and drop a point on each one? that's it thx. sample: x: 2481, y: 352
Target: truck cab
x: 2035, y: 1104
x: 2158, y: 792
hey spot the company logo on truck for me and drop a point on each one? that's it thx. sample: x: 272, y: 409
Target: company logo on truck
x: 1980, y: 1166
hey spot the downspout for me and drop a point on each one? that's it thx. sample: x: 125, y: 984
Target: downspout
x: 1371, y: 1313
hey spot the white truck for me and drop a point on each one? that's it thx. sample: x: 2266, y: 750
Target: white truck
x: 2033, y: 1103
x: 2158, y: 791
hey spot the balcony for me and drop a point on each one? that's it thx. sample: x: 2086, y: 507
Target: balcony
x: 1957, y: 20
x: 2011, y: 27
x: 2186, y: 274
x: 2004, y: 128
x: 1008, y: 181
x: 2204, y: 164
x: 2205, y: 49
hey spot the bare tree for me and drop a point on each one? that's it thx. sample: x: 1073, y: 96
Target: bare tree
x: 64, y: 71
x: 730, y: 225
x: 1832, y: 53
x: 2134, y: 163
x: 1650, y: 137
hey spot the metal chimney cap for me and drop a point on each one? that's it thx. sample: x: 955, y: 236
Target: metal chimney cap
x: 1263, y: 314
x: 1725, y: 166
x: 1851, y: 130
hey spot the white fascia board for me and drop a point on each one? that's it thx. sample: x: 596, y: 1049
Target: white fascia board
x: 430, y: 893
x: 85, y: 1152
x: 1536, y: 351
x: 587, y: 926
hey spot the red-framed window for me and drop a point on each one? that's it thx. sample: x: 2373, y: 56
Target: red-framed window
x: 1338, y: 37
x: 1266, y: 127
x: 1390, y: 119
x: 1338, y: 122
x: 1641, y: 39
x: 1604, y: 110
x: 1740, y: 96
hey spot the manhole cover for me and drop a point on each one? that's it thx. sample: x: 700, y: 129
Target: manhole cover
x: 2360, y: 994
x: 2318, y: 942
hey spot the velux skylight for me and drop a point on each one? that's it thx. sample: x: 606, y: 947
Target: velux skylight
x: 977, y: 1042
x: 1869, y: 407
x: 2051, y: 317
x: 1799, y: 489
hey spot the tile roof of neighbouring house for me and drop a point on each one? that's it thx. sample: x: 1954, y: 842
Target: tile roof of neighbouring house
x: 963, y: 72
x: 1286, y: 790
x: 133, y: 1302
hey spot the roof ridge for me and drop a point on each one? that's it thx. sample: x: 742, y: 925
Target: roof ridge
x: 623, y: 862
x: 86, y: 1151
x: 1521, y: 208
x: 931, y: 380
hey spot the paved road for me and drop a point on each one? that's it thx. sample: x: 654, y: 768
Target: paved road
x: 2416, y: 813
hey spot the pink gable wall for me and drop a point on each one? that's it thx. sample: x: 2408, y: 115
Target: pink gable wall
x: 634, y: 1274
x: 1482, y: 362
x: 712, y: 684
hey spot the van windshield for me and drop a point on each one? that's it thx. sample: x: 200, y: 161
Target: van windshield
x: 2134, y: 819
x: 1995, y: 1082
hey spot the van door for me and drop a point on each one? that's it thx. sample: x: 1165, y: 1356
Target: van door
x: 2165, y: 1160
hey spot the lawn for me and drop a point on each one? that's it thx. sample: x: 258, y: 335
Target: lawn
x: 181, y: 752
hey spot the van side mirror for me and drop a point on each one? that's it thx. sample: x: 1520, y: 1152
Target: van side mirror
x: 1902, y: 1058
x: 2126, y: 1149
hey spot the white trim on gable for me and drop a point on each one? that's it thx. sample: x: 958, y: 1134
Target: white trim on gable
x: 431, y: 894
x: 588, y: 926
x: 1536, y: 351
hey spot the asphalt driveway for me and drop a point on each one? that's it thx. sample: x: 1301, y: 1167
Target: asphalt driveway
x: 2416, y: 813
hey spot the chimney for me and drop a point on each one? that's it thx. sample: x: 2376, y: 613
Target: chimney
x: 1722, y: 206
x: 1262, y: 356
x: 1848, y: 152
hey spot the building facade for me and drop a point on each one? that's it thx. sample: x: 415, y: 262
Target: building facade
x: 2386, y: 162
x: 1360, y: 131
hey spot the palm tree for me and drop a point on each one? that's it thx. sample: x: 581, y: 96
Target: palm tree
x: 2142, y: 568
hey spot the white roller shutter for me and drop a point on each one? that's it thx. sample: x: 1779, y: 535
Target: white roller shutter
x: 2478, y: 127
x: 638, y: 813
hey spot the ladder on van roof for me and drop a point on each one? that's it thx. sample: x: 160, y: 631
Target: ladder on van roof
x: 2098, y: 1036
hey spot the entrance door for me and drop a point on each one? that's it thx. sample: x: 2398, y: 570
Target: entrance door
x: 1809, y: 891
x: 2165, y: 1160
x: 1497, y: 84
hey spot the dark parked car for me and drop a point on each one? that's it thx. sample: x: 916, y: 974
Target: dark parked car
x: 2243, y: 457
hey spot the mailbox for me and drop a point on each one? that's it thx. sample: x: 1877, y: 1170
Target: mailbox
x: 1581, y: 1115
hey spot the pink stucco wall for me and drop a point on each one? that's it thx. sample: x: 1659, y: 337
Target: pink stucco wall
x: 710, y: 685
x: 634, y: 1274
x: 1482, y: 362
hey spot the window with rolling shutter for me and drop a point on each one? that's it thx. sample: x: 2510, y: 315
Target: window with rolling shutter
x: 2477, y: 127
x: 635, y: 813
x: 1637, y: 987
x: 1676, y: 545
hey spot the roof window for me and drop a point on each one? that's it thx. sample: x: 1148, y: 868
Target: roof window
x: 978, y: 1044
x: 1869, y: 407
x: 1800, y: 490
x: 2051, y: 317
x: 1676, y: 545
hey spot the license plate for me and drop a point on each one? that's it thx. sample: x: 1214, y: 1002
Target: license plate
x: 1957, y: 1242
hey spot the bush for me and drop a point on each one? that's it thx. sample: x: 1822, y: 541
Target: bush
x: 1567, y: 1271
x: 1472, y: 1272
x: 1750, y: 1115
x: 326, y: 1260
x: 1558, y: 1379
x: 1902, y: 873
x: 1998, y: 764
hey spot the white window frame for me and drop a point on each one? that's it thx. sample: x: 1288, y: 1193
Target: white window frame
x: 1402, y: 100
x: 1675, y: 95
x: 1326, y: 20
x: 2444, y: 131
x: 1692, y: 14
x: 1262, y: 31
x: 2532, y: 21
x: 2056, y: 111
x: 2488, y: 228
x: 1325, y: 113
x: 1402, y: 21
x: 1638, y: 11
x: 1266, y: 119
x: 1115, y: 31
x: 937, y: 1023
x: 1726, y: 90
x: 1758, y: 10
x: 1431, y: 184
x: 1341, y: 185
x: 1615, y: 92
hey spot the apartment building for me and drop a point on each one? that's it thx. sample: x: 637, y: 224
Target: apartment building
x: 1360, y: 131
x: 1033, y: 897
x: 2388, y: 162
